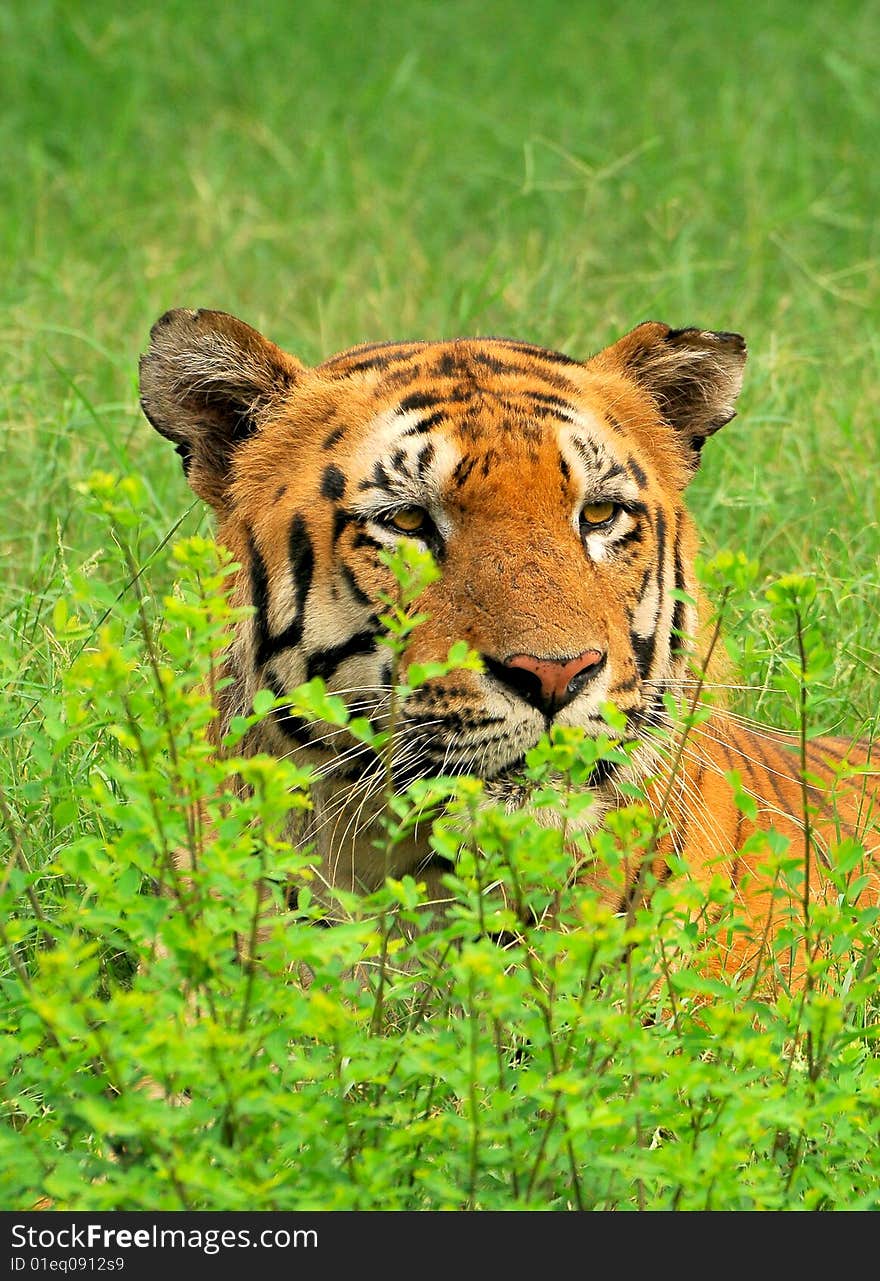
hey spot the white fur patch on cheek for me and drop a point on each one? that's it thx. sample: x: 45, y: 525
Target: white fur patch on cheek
x: 597, y: 548
x: 282, y: 604
x: 644, y: 621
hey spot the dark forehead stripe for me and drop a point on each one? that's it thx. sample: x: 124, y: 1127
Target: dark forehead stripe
x: 332, y: 482
x: 614, y: 423
x: 490, y: 459
x: 379, y: 479
x: 544, y: 404
x: 463, y: 469
x: 539, y: 353
x: 420, y: 400
x: 400, y: 463
x: 475, y: 366
x: 596, y: 458
x: 424, y: 460
x: 636, y: 472
x: 425, y: 424
x: 370, y: 356
x: 445, y: 367
x: 333, y: 438
x: 368, y: 348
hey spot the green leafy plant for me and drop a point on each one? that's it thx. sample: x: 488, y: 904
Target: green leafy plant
x: 183, y: 1034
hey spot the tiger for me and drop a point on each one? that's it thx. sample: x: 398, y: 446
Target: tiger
x: 550, y: 492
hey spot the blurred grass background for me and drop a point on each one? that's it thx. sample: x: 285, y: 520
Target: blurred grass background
x: 336, y: 173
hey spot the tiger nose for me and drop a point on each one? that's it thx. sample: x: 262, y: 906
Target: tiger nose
x: 548, y: 683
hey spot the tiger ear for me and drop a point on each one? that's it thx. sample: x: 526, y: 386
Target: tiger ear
x: 206, y: 382
x: 693, y: 375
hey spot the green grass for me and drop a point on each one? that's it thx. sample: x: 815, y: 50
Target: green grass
x: 342, y: 173
x: 335, y: 174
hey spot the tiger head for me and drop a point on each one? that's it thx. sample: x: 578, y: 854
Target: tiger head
x: 549, y: 491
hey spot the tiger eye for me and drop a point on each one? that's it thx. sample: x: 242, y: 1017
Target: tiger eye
x: 598, y: 513
x: 408, y: 520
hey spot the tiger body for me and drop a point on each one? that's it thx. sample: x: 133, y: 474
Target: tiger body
x: 551, y: 495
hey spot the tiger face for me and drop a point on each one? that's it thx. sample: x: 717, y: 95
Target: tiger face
x: 549, y: 492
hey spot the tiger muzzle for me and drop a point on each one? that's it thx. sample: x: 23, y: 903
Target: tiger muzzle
x: 547, y: 684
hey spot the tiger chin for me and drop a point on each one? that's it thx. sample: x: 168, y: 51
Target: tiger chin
x: 550, y: 493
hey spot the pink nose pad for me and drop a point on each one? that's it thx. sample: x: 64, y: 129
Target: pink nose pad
x: 555, y: 682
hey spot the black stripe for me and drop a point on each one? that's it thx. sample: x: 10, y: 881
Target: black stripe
x: 540, y: 353
x: 545, y: 411
x: 643, y: 649
x: 364, y: 349
x: 587, y: 450
x: 425, y: 424
x: 332, y: 482
x: 445, y: 367
x: 341, y: 518
x: 463, y: 469
x: 739, y: 760
x: 456, y: 721
x: 378, y: 480
x: 644, y: 646
x: 822, y: 745
x: 333, y: 437
x: 637, y: 472
x: 398, y: 463
x: 612, y: 473
x: 630, y: 539
x: 363, y: 539
x: 496, y: 366
x: 419, y: 400
x: 735, y: 871
x: 678, y: 641
x: 292, y: 727
x: 643, y: 586
x: 302, y: 568
x: 259, y: 599
x: 693, y: 817
x: 660, y: 526
x: 381, y: 360
x: 424, y: 460
x: 551, y: 400
x: 614, y: 423
x: 353, y: 585
x: 302, y: 559
x: 642, y: 593
x: 624, y: 687
x: 324, y: 662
